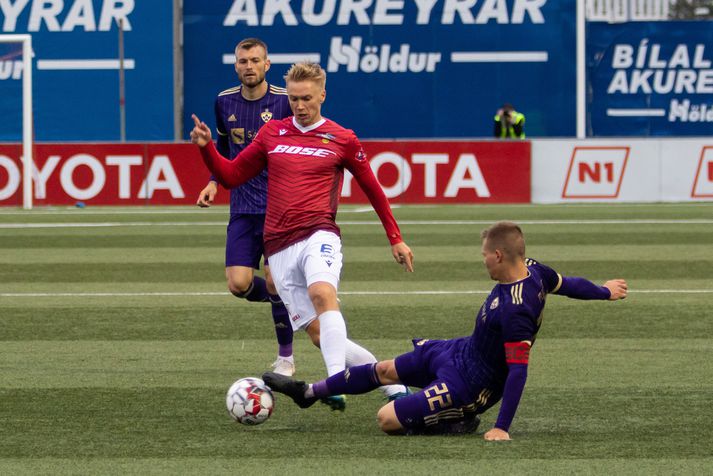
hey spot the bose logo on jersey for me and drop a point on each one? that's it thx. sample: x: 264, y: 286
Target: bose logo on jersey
x: 298, y: 150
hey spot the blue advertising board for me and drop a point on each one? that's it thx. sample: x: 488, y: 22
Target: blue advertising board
x: 650, y: 78
x: 395, y: 68
x: 76, y: 69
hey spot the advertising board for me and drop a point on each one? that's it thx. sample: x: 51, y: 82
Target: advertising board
x: 76, y: 69
x: 396, y: 69
x: 650, y: 78
x: 621, y: 170
x: 173, y: 174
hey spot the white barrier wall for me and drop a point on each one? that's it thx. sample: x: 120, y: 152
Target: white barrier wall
x: 621, y: 170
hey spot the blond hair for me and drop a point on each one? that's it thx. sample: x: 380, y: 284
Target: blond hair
x: 307, y: 71
x: 507, y: 237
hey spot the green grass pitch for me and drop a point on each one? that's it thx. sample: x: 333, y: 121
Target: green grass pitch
x: 118, y: 341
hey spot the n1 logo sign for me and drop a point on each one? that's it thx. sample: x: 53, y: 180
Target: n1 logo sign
x: 703, y: 185
x: 595, y: 172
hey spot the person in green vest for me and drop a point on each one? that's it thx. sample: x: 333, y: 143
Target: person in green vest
x: 509, y: 124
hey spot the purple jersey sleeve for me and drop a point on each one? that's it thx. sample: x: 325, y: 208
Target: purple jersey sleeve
x: 551, y: 279
x: 514, y: 386
x: 581, y: 288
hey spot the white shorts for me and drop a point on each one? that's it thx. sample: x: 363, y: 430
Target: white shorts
x: 294, y: 269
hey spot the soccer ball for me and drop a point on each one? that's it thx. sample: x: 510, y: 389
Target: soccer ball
x: 250, y: 401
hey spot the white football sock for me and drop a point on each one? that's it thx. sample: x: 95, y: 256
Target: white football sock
x: 332, y: 341
x: 358, y: 355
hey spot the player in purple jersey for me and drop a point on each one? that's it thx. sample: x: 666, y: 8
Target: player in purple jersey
x: 239, y: 114
x: 463, y: 377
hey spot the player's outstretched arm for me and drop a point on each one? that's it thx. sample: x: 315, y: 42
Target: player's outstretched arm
x: 618, y: 289
x: 403, y: 255
x: 207, y: 195
x: 581, y: 288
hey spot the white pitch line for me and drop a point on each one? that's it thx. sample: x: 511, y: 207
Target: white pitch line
x: 108, y: 224
x: 343, y: 293
x: 633, y: 221
x: 76, y: 212
x: 218, y: 211
x: 223, y: 209
x: 673, y: 291
x: 169, y: 294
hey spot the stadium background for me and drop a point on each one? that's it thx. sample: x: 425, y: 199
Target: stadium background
x: 401, y: 73
x: 119, y: 340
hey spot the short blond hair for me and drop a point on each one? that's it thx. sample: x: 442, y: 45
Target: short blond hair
x: 507, y: 237
x: 307, y: 71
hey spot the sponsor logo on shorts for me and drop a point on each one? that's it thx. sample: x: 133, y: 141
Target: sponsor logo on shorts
x: 327, y: 253
x: 295, y: 317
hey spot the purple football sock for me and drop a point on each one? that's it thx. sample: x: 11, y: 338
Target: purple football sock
x: 284, y: 350
x: 352, y: 381
x: 258, y: 291
x: 283, y: 327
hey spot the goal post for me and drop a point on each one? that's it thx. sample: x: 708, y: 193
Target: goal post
x: 27, y: 159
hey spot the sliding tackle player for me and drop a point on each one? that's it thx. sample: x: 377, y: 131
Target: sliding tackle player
x: 464, y: 377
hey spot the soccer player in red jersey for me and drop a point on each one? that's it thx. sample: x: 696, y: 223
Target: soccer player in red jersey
x: 305, y: 156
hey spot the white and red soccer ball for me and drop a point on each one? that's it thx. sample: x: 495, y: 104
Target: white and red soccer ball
x: 250, y: 401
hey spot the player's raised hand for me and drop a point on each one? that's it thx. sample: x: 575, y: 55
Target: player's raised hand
x: 403, y: 255
x: 207, y: 195
x: 200, y: 135
x: 496, y: 434
x: 618, y: 289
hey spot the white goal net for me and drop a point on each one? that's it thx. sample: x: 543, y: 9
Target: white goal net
x: 16, y: 67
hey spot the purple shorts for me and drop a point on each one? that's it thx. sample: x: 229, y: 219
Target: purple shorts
x: 431, y: 367
x: 243, y: 243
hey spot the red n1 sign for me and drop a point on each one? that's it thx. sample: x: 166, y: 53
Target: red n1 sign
x: 595, y: 172
x: 173, y: 174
